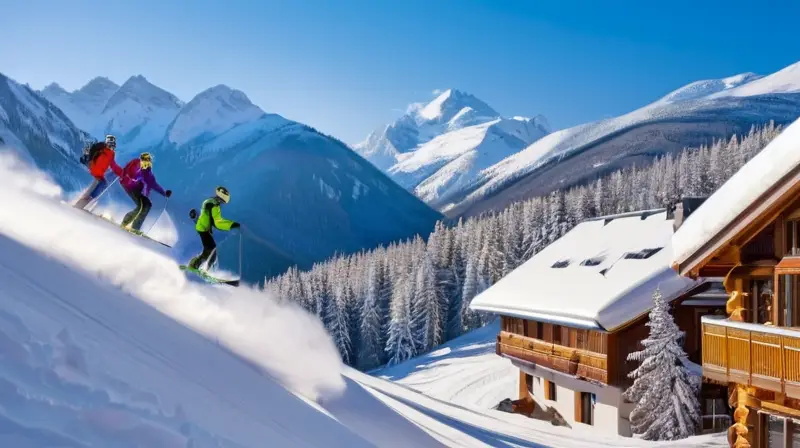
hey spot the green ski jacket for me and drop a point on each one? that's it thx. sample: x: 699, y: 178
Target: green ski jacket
x: 211, y: 216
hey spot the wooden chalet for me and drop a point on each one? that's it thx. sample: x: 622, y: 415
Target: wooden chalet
x: 572, y: 314
x: 749, y: 233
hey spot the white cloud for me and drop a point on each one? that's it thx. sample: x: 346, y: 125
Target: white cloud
x: 437, y: 91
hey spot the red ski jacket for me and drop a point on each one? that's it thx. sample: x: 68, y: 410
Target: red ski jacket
x: 102, y: 162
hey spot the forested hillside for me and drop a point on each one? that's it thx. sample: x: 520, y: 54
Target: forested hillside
x: 392, y: 303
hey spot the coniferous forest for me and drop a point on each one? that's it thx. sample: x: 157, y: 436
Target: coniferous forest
x: 392, y: 303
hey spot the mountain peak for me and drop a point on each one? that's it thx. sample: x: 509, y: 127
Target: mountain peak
x: 53, y: 89
x: 230, y: 97
x: 450, y: 102
x: 137, y: 88
x: 97, y: 85
x: 212, y: 112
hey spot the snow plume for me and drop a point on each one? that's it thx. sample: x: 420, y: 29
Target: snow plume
x: 19, y: 176
x: 282, y: 339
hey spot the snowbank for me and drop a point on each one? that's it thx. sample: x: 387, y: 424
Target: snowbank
x: 284, y: 340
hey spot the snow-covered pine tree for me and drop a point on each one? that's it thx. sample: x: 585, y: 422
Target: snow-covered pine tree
x: 337, y: 318
x: 472, y: 287
x: 664, y: 392
x: 371, y: 353
x: 427, y: 317
x: 455, y: 322
x: 400, y: 346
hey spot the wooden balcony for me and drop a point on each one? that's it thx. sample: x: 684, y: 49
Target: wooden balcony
x: 761, y: 356
x: 572, y: 361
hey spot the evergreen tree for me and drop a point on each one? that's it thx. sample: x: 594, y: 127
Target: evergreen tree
x: 427, y: 313
x: 664, y: 392
x: 371, y: 353
x: 400, y: 346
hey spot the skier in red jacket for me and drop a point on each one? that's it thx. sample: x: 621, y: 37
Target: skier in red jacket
x: 99, y: 159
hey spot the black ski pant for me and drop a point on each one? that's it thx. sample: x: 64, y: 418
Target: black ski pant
x: 209, y: 251
x: 137, y: 216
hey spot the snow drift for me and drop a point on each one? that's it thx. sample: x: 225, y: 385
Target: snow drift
x: 284, y: 340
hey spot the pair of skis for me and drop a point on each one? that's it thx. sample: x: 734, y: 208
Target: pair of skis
x: 208, y: 277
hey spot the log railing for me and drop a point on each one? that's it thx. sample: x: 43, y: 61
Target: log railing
x: 762, y: 356
x: 572, y: 361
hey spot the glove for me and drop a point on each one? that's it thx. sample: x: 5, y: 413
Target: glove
x: 168, y: 193
x: 235, y: 225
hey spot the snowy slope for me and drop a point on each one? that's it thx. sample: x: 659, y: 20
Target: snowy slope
x: 36, y: 130
x: 689, y: 116
x: 459, y: 383
x: 450, y: 111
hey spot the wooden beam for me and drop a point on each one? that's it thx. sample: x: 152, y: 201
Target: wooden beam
x: 578, y: 407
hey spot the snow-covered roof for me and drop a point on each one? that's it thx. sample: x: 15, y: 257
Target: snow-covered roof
x: 750, y: 185
x: 601, y: 274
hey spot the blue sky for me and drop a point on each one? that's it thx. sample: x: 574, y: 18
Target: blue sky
x: 348, y: 67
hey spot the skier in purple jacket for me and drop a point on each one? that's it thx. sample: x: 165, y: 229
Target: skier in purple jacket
x: 137, y: 180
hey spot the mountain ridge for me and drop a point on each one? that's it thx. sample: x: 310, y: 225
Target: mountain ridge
x: 691, y: 115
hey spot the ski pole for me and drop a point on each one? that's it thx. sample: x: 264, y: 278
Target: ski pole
x: 91, y: 205
x: 240, y: 253
x: 158, y: 217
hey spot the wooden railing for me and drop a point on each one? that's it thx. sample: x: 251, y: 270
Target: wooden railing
x: 572, y: 361
x: 762, y: 356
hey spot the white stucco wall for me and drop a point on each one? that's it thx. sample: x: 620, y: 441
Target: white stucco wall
x: 610, y: 414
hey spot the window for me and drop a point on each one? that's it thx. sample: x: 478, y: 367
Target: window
x: 584, y: 407
x: 592, y: 261
x: 549, y: 390
x: 642, y: 254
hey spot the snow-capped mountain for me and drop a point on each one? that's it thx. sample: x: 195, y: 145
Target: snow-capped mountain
x: 211, y: 113
x: 689, y: 116
x: 84, y: 105
x: 451, y: 110
x: 38, y: 131
x: 302, y: 195
x: 436, y: 149
x: 137, y: 113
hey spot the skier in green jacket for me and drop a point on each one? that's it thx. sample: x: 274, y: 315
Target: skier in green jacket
x: 211, y: 217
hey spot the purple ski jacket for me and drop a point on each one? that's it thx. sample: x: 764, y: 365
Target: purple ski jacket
x: 134, y: 178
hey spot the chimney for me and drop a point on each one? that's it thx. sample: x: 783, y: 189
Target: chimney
x: 684, y: 208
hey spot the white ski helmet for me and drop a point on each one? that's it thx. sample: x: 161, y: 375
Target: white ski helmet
x: 223, y: 194
x: 111, y: 141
